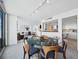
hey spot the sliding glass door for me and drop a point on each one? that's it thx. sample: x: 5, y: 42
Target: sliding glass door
x: 2, y: 40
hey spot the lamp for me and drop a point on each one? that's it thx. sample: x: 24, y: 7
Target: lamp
x: 27, y: 28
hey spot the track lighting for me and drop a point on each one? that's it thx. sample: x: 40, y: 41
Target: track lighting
x: 48, y: 1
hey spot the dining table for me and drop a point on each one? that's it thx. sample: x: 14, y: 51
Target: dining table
x: 39, y: 43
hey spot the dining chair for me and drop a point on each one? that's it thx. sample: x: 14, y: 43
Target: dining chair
x: 25, y: 49
x: 31, y: 50
x: 63, y: 49
x: 49, y: 52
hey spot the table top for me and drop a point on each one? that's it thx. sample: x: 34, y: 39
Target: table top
x: 39, y: 42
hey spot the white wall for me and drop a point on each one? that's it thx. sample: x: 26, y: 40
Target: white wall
x: 22, y: 23
x: 70, y: 24
x: 60, y: 17
x: 56, y: 34
x: 37, y: 30
x: 12, y: 29
x: 72, y: 35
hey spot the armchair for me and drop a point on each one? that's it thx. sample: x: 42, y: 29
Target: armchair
x: 49, y: 52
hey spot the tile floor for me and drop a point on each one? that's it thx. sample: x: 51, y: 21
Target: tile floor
x: 16, y: 52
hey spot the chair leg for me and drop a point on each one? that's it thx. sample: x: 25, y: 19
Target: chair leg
x: 39, y: 56
x: 28, y: 57
x: 24, y: 55
x: 64, y: 55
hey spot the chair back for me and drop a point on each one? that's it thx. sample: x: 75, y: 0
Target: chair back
x: 26, y: 48
x: 47, y: 49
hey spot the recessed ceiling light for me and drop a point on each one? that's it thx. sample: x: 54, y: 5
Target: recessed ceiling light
x: 43, y: 0
x: 36, y: 11
x: 48, y: 1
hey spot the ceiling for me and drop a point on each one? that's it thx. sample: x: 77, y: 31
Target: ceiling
x: 25, y: 8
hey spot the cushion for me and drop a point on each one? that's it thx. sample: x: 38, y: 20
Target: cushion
x: 60, y: 49
x: 50, y: 54
x: 37, y: 42
x: 30, y: 41
x: 33, y: 50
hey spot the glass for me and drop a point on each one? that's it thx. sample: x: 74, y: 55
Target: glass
x: 2, y: 29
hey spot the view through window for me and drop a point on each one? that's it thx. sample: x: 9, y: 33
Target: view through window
x: 2, y: 40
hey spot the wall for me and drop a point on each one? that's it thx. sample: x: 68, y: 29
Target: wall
x: 70, y: 23
x: 22, y: 23
x: 72, y: 35
x: 12, y: 29
x: 59, y: 17
x: 70, y: 26
x: 56, y: 34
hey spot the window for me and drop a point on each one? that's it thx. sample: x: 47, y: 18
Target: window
x: 2, y: 40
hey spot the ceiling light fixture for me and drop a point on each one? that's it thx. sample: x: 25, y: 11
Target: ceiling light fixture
x: 48, y: 1
x: 36, y: 11
x: 43, y: 3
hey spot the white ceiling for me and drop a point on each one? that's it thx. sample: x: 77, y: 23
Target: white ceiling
x: 25, y: 8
